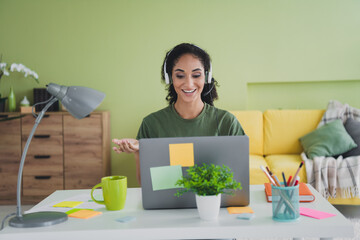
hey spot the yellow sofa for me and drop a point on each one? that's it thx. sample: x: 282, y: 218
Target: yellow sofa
x: 274, y: 142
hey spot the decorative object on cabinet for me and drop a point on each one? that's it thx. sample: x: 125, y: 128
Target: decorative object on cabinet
x: 2, y: 104
x: 12, y: 100
x: 80, y: 102
x: 41, y: 96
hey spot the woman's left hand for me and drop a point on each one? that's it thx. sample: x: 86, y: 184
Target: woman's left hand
x: 127, y: 145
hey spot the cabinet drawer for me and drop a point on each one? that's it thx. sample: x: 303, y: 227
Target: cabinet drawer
x: 43, y: 165
x: 85, y: 131
x: 51, y: 144
x: 83, y: 165
x: 50, y: 124
x: 42, y: 185
x: 83, y: 174
x: 8, y: 179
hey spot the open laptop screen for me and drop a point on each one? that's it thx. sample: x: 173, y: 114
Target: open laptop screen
x: 160, y: 161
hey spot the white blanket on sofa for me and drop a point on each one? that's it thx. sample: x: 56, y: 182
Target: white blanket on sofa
x: 331, y: 176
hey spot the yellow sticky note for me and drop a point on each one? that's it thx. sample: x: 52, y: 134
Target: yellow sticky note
x: 84, y: 214
x: 238, y: 210
x: 181, y: 154
x: 69, y: 204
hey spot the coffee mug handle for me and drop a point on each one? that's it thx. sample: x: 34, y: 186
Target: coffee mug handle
x: 92, y: 197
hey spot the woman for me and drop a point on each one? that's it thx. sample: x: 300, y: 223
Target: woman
x: 191, y: 90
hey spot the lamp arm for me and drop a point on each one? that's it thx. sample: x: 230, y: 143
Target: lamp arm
x: 23, y: 156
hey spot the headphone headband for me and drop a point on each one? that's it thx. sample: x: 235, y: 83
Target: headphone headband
x: 208, y: 75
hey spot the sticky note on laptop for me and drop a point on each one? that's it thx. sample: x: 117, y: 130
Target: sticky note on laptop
x: 165, y: 177
x: 181, y: 154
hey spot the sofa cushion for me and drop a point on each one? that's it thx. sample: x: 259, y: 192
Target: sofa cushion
x: 353, y: 128
x: 328, y: 140
x: 252, y: 123
x: 287, y: 163
x: 283, y: 128
x: 257, y: 176
x: 344, y: 201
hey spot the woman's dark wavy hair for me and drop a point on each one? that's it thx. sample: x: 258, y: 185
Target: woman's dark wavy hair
x: 209, y: 93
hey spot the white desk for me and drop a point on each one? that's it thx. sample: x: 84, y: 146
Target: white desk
x: 185, y: 223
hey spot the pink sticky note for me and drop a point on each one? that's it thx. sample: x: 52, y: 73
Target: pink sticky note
x: 314, y: 213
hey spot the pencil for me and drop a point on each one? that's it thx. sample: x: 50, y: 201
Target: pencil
x: 277, y: 181
x: 297, y: 172
x: 268, y: 175
x: 273, y: 177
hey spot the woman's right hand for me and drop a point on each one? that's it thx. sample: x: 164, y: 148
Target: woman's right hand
x: 127, y: 145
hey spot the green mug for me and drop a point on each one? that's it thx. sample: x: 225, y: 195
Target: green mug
x: 114, y: 192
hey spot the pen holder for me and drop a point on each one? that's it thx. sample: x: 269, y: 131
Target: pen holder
x: 285, y: 203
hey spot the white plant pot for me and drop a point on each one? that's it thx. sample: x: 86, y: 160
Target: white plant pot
x: 208, y: 206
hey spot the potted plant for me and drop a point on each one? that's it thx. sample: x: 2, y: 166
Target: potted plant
x: 208, y: 182
x: 5, y: 71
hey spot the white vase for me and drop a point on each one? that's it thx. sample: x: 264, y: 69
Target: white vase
x: 208, y: 206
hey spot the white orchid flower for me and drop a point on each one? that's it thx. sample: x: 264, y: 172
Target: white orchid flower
x: 36, y: 76
x: 22, y: 68
x: 3, y: 69
x: 17, y: 67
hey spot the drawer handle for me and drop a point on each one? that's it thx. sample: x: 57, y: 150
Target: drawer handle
x: 42, y: 177
x: 42, y: 156
x: 41, y: 136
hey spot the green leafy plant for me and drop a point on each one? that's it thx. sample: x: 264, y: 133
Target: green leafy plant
x: 207, y: 180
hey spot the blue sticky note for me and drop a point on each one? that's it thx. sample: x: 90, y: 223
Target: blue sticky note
x: 165, y: 177
x: 246, y: 216
x: 126, y: 219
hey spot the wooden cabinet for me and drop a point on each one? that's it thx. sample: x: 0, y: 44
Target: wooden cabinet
x: 65, y: 153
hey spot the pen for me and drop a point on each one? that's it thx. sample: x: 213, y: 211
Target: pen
x: 283, y: 175
x: 268, y: 175
x: 288, y: 181
x: 297, y: 172
x: 274, y: 177
x: 297, y: 180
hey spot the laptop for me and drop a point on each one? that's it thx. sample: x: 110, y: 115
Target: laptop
x: 232, y: 151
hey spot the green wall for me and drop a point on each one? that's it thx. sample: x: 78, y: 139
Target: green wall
x: 260, y: 49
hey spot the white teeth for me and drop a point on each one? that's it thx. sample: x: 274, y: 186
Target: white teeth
x: 190, y: 91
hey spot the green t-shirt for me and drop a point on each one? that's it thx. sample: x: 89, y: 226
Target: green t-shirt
x: 168, y: 123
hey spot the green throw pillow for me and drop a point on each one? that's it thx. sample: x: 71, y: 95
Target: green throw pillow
x: 328, y: 140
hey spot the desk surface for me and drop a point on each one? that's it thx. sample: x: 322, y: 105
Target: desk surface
x: 185, y: 223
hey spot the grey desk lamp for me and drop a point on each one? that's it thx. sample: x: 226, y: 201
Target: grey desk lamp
x: 79, y: 102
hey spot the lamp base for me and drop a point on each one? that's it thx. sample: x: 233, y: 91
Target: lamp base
x: 38, y: 219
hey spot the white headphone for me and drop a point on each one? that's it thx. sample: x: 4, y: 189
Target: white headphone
x: 208, y: 75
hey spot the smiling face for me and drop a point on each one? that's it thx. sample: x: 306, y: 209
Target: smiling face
x: 188, y: 77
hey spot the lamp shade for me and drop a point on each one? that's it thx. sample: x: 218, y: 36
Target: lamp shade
x: 78, y: 101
